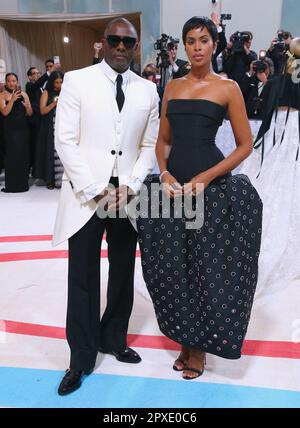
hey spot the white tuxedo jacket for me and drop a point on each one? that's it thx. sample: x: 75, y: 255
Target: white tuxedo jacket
x: 86, y: 129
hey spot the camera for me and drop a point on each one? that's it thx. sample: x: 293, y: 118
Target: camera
x: 238, y: 41
x: 225, y: 17
x: 259, y: 66
x: 164, y: 43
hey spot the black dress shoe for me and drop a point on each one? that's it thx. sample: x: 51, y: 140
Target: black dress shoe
x: 71, y: 381
x: 126, y: 356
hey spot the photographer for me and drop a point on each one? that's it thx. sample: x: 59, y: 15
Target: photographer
x: 175, y: 64
x: 238, y: 56
x: 151, y: 73
x: 278, y: 49
x: 254, y: 84
x: 222, y: 42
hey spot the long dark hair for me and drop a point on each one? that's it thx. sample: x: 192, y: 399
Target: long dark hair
x: 53, y: 76
x: 11, y: 74
x: 200, y: 22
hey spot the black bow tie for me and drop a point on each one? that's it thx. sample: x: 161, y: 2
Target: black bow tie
x: 120, y: 93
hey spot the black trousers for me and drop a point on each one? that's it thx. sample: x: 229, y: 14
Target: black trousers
x: 85, y: 331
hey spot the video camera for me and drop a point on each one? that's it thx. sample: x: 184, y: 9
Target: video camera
x: 225, y: 17
x: 163, y: 44
x: 238, y: 41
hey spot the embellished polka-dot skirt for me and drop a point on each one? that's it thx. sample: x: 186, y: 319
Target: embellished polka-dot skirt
x: 202, y: 281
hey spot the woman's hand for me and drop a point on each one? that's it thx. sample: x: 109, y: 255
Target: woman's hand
x: 16, y: 95
x: 193, y: 187
x: 170, y: 185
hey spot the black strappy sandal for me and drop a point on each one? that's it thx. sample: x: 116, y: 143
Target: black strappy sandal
x: 192, y: 369
x: 176, y: 368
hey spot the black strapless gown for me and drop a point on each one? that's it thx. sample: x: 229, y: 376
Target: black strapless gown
x: 202, y: 281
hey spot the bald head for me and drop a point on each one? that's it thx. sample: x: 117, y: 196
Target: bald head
x: 120, y: 22
x: 120, y: 44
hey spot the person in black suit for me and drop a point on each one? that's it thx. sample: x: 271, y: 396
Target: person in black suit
x: 236, y: 63
x: 105, y: 132
x: 34, y: 89
x: 253, y: 87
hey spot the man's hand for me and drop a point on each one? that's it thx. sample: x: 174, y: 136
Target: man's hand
x: 102, y: 195
x: 215, y: 17
x: 262, y: 77
x: 119, y: 197
x: 113, y: 199
x: 247, y: 50
x: 97, y: 48
x: 171, y: 60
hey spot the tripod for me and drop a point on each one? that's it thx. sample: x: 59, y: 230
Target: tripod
x: 162, y: 63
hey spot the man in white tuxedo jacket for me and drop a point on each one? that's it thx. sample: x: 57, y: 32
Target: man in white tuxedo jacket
x: 105, y: 132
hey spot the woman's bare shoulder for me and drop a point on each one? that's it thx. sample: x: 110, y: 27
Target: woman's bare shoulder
x: 174, y: 85
x: 225, y: 82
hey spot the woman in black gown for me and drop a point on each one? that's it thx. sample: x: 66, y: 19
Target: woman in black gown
x: 15, y: 108
x: 202, y: 281
x: 48, y: 165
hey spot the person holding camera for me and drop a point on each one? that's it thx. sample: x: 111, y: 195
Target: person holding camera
x: 151, y: 73
x: 253, y: 86
x: 16, y: 108
x: 48, y: 165
x: 174, y: 70
x: 277, y: 51
x: 238, y: 56
x: 222, y: 43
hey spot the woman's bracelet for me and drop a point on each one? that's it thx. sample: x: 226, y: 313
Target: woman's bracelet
x: 162, y: 174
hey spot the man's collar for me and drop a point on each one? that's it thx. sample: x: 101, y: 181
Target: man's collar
x: 112, y: 74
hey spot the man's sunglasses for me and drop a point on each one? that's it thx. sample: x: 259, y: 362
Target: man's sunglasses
x: 114, y: 41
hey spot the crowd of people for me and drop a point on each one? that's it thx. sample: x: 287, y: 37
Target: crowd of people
x: 27, y: 120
